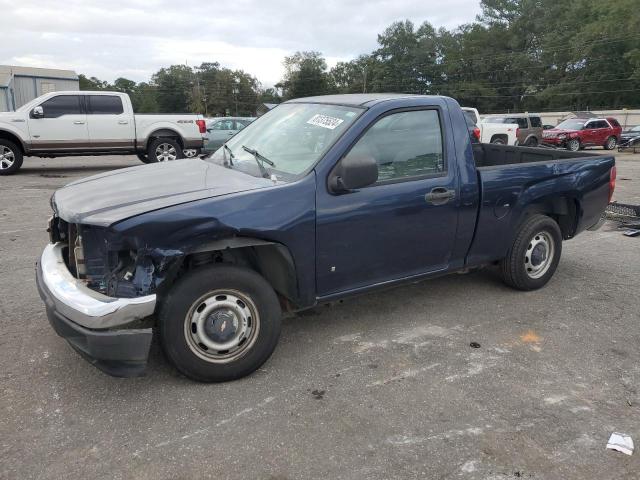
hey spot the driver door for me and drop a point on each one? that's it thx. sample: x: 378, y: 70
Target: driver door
x: 63, y: 127
x: 401, y: 226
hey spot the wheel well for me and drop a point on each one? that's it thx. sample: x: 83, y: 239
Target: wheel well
x: 271, y: 260
x: 564, y: 210
x: 12, y: 138
x: 500, y: 136
x: 165, y: 133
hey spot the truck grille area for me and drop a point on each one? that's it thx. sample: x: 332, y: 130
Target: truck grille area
x: 109, y: 265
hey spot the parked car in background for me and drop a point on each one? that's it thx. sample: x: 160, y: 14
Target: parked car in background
x: 93, y: 123
x: 529, y: 127
x: 221, y: 129
x: 630, y: 137
x: 319, y: 199
x: 576, y: 133
x: 474, y: 130
x: 504, y: 134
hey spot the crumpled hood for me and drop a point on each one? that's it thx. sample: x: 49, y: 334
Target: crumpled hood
x: 114, y: 196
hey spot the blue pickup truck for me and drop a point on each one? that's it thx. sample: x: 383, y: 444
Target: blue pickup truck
x: 317, y: 200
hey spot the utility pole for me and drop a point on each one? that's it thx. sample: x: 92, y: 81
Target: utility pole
x: 364, y: 81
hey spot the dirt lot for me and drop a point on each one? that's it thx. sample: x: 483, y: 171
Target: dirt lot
x: 382, y: 386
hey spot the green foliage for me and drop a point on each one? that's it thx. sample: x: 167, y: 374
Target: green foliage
x: 519, y: 55
x: 305, y: 75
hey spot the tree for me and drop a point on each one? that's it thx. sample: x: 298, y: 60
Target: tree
x: 174, y: 87
x: 92, y: 83
x: 305, y: 75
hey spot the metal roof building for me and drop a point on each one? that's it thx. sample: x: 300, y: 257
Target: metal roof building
x: 19, y: 85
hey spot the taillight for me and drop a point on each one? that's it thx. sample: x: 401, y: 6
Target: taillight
x: 201, y: 126
x: 476, y: 133
x: 612, y: 182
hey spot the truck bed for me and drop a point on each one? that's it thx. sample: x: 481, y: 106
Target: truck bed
x: 492, y: 155
x: 513, y: 179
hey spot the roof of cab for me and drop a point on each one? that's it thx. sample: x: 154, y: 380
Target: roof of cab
x: 356, y: 99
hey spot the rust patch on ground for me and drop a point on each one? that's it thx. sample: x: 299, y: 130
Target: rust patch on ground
x: 530, y: 337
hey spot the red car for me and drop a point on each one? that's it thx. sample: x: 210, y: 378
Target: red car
x: 578, y: 133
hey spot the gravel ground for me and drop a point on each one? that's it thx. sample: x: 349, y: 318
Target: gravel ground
x: 378, y: 387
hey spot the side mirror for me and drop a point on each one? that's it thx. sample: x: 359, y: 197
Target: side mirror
x: 37, y: 112
x: 353, y: 172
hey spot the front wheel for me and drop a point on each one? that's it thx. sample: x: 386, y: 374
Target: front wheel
x: 10, y: 157
x: 611, y: 143
x: 219, y: 323
x: 533, y: 258
x: 573, y: 145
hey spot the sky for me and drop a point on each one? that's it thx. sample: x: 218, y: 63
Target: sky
x: 135, y: 38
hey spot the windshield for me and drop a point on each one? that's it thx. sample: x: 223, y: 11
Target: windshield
x: 292, y: 136
x: 572, y: 124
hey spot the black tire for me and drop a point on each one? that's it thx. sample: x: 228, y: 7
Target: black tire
x: 498, y: 141
x: 532, y: 142
x: 518, y: 268
x: 143, y: 157
x: 573, y: 145
x: 10, y: 157
x: 611, y: 143
x: 172, y: 146
x: 178, y: 328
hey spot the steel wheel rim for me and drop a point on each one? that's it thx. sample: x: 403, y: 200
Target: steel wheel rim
x: 165, y: 152
x: 539, y: 255
x: 7, y: 158
x: 190, y: 152
x: 222, y: 326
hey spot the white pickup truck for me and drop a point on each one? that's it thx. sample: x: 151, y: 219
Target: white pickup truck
x: 94, y: 123
x: 500, y: 133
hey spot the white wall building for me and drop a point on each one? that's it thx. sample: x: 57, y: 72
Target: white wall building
x: 19, y: 85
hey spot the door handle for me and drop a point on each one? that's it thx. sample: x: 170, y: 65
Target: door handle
x: 79, y: 122
x: 440, y: 196
x: 123, y: 122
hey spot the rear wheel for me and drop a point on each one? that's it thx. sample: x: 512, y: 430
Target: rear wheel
x: 573, y: 145
x: 164, y: 150
x: 219, y: 323
x: 10, y: 157
x: 532, y: 142
x: 533, y: 258
x: 611, y: 143
x: 498, y: 141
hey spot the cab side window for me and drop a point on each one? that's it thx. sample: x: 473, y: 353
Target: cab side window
x: 104, y: 105
x: 405, y: 145
x: 536, y: 122
x: 62, y: 105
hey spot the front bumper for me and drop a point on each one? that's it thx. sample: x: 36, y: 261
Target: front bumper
x: 86, y: 319
x: 554, y: 141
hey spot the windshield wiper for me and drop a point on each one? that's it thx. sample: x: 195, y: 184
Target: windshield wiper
x: 231, y: 155
x: 260, y: 160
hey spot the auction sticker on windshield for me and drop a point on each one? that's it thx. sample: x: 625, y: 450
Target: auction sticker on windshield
x: 324, y: 121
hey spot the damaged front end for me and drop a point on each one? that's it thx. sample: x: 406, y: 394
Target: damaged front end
x: 99, y: 290
x: 111, y: 265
